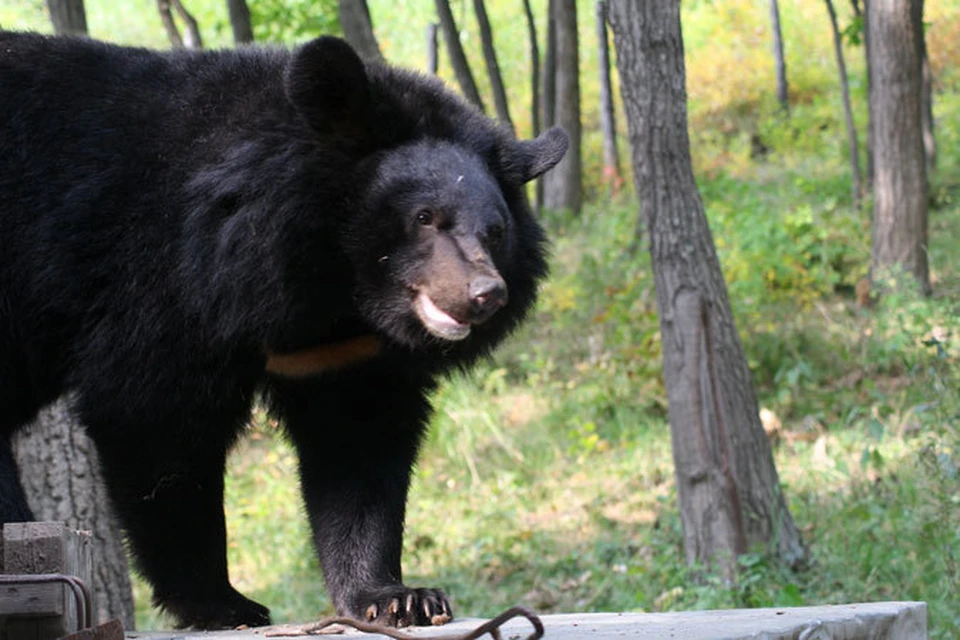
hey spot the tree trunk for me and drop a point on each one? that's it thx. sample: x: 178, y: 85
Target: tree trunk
x: 562, y: 186
x: 68, y: 17
x: 926, y: 93
x: 783, y: 92
x: 870, y: 82
x: 240, y: 21
x: 169, y: 24
x: 458, y: 59
x: 358, y: 28
x: 611, y: 157
x: 493, y: 69
x: 727, y: 484
x: 549, y: 93
x: 62, y: 480
x: 534, y: 92
x: 847, y: 109
x: 900, y: 182
x: 550, y: 69
x: 433, y: 61
x: 192, y: 40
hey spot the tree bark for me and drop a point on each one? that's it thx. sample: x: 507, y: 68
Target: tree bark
x: 562, y: 186
x: 612, y: 175
x: 358, y: 28
x: 458, y: 59
x: 61, y: 476
x: 857, y: 178
x: 727, y: 484
x: 900, y: 181
x: 240, y: 21
x: 68, y: 17
x: 433, y: 61
x: 493, y: 68
x: 783, y: 92
x: 534, y: 93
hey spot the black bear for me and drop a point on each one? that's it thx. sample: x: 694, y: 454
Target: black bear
x: 184, y: 233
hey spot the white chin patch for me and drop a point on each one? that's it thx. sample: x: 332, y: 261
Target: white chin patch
x: 439, y: 323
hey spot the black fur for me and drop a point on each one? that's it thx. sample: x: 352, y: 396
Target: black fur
x: 171, y: 220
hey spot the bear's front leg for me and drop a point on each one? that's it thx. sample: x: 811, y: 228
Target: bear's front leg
x: 357, y: 441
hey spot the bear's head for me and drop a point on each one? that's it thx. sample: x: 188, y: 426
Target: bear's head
x: 441, y: 241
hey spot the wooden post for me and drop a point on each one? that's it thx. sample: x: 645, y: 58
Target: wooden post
x: 38, y: 611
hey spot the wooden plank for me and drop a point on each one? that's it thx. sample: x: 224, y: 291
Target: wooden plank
x: 867, y: 621
x: 42, y: 610
x: 32, y: 600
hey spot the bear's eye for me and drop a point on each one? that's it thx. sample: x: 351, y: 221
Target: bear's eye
x: 425, y: 217
x: 495, y: 234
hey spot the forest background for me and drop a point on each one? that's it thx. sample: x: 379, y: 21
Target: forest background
x: 547, y: 479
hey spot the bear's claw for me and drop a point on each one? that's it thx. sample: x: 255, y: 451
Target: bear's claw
x: 399, y: 606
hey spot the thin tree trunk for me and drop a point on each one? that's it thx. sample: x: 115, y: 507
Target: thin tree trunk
x: 783, y: 92
x: 433, y: 61
x: 534, y: 93
x: 612, y: 175
x: 192, y: 39
x: 727, y: 484
x: 240, y: 21
x: 61, y: 477
x: 847, y: 109
x: 169, y: 24
x: 929, y: 133
x: 926, y: 93
x: 550, y: 69
x: 549, y: 93
x: 493, y: 69
x: 563, y: 185
x: 900, y: 183
x: 870, y: 84
x: 458, y: 59
x: 68, y: 17
x: 358, y: 28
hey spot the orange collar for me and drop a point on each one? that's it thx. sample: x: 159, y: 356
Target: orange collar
x: 324, y: 358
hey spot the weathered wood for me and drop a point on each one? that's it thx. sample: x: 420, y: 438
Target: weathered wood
x: 42, y: 610
x: 869, y: 621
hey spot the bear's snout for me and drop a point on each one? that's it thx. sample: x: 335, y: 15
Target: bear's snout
x: 487, y: 295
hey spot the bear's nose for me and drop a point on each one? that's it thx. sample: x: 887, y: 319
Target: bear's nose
x: 487, y: 294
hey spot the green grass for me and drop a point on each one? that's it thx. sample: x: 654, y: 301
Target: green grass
x: 547, y: 478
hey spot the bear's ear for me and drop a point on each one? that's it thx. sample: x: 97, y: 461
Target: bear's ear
x: 535, y: 157
x: 327, y: 83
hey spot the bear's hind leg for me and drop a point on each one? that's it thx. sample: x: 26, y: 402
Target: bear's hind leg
x: 171, y: 506
x: 13, y: 501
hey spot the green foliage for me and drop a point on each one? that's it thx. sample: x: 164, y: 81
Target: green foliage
x: 290, y: 21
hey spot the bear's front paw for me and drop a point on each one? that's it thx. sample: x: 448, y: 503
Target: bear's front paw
x: 399, y: 606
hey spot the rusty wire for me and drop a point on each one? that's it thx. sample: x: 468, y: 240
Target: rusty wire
x: 491, y: 627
